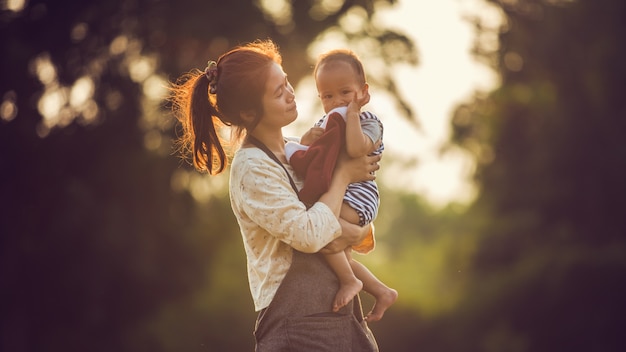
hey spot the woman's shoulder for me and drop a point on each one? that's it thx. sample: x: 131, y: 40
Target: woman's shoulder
x: 251, y: 159
x: 252, y: 155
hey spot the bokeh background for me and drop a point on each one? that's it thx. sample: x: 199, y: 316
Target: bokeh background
x: 110, y: 242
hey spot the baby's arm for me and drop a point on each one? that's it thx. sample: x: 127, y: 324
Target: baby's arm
x: 311, y: 135
x: 357, y: 143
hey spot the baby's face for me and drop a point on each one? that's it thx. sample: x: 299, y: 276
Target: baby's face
x: 337, y: 82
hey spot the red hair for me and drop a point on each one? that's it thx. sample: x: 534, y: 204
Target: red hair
x: 242, y: 73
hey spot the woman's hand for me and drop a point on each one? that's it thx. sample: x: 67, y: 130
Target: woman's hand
x: 351, y: 234
x: 357, y: 169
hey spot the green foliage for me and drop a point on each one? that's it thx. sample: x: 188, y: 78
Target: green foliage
x: 421, y: 252
x: 551, y: 171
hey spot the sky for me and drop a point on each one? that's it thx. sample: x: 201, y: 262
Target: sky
x: 446, y: 75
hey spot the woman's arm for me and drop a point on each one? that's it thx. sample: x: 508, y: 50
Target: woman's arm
x: 348, y: 170
x: 266, y: 205
x: 351, y: 234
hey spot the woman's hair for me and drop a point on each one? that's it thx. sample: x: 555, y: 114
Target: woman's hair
x: 343, y: 55
x: 237, y: 83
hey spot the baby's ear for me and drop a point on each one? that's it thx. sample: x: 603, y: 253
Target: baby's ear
x: 365, y: 90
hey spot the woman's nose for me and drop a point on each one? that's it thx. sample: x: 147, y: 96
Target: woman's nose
x: 291, y: 93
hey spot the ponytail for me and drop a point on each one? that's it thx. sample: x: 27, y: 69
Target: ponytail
x: 200, y: 122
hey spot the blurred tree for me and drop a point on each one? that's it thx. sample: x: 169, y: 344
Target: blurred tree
x: 107, y: 243
x: 551, y: 168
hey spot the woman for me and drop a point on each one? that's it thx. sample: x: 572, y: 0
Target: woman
x: 292, y: 287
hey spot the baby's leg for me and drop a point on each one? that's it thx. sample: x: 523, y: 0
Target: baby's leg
x: 384, y: 295
x: 349, y: 214
x: 349, y: 285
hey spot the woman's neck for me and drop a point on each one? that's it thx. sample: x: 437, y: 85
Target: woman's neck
x: 273, y: 141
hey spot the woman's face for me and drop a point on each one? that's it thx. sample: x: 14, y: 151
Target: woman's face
x: 279, y: 103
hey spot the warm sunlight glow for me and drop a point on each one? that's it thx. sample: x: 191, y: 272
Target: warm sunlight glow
x: 50, y: 107
x: 354, y: 20
x: 81, y: 92
x: 154, y: 92
x: 79, y: 32
x: 152, y: 140
x: 446, y: 76
x: 513, y: 61
x: 154, y: 88
x: 278, y: 10
x: 60, y: 105
x: 201, y: 186
x: 323, y: 8
x: 44, y: 69
x: 141, y: 68
x: 8, y: 107
x: 14, y: 5
x: 118, y: 45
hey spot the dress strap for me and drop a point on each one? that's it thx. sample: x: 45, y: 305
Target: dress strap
x: 257, y: 143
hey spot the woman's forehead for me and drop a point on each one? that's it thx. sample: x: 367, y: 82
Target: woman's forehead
x: 276, y: 71
x: 276, y: 77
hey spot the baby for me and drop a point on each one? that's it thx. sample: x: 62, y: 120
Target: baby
x: 340, y: 80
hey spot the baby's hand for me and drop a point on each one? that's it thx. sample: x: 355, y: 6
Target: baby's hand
x: 357, y: 103
x: 311, y: 135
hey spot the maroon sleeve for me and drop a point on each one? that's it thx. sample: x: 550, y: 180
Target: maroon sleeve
x: 317, y: 163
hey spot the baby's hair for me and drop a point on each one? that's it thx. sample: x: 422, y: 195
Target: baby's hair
x: 345, y: 55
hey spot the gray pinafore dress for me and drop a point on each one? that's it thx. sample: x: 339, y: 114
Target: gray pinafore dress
x: 300, y: 319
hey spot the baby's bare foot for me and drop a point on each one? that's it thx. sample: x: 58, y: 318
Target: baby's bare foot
x: 383, y: 301
x: 346, y: 293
